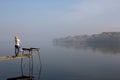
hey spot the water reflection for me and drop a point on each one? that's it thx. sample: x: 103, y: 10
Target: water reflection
x: 109, y: 48
x: 27, y: 69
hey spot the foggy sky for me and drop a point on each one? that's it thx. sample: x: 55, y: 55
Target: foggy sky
x: 49, y: 19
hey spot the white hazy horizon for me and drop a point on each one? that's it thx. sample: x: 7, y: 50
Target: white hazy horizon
x: 46, y: 20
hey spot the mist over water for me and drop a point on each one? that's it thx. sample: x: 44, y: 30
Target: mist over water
x: 66, y: 62
x: 106, y: 49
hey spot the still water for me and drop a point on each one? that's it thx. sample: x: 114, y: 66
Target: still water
x: 61, y: 62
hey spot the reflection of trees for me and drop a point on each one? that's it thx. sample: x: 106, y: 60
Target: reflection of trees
x: 104, y: 48
x: 28, y: 73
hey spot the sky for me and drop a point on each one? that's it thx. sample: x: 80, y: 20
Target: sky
x: 43, y: 20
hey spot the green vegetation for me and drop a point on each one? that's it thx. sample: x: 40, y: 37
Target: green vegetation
x: 105, y: 38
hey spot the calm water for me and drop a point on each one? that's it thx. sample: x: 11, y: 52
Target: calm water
x: 60, y: 62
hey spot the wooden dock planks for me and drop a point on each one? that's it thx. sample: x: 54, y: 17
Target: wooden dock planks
x: 23, y: 55
x: 15, y: 57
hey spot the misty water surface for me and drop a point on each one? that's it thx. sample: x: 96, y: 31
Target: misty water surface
x: 61, y: 62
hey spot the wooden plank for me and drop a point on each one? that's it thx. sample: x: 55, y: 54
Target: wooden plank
x: 20, y: 55
x: 15, y: 57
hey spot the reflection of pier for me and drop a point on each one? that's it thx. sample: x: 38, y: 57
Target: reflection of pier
x: 27, y: 74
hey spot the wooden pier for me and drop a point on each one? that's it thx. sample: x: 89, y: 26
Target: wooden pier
x: 15, y: 57
x: 23, y: 55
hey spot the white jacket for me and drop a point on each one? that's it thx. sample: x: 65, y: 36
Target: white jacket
x: 17, y: 42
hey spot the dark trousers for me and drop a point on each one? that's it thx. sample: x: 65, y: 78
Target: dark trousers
x: 17, y: 50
